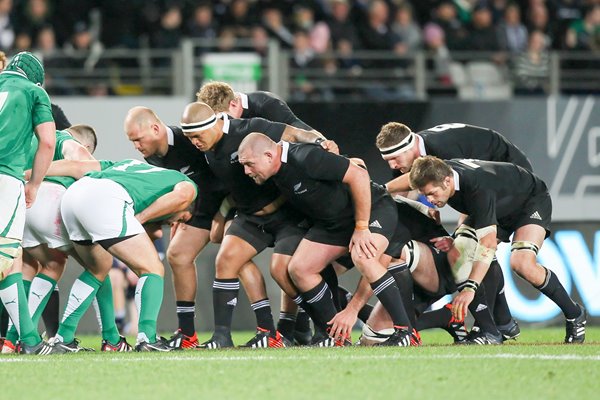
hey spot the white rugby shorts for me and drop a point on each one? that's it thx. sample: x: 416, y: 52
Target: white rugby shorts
x: 43, y: 221
x: 12, y: 207
x: 98, y: 209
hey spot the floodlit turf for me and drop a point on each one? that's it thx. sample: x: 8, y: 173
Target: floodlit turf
x: 534, y: 367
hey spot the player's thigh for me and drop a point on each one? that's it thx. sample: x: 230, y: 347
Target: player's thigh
x: 312, y: 257
x: 139, y: 254
x: 187, y: 243
x: 12, y: 211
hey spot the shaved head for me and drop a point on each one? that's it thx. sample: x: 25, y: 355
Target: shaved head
x: 140, y: 116
x: 146, y: 131
x: 260, y: 156
x: 256, y: 143
x: 195, y: 112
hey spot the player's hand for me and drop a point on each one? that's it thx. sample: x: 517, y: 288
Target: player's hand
x: 460, y: 304
x: 434, y: 214
x: 330, y: 146
x: 362, y: 244
x: 342, y: 323
x: 30, y: 193
x: 443, y: 243
x: 27, y: 175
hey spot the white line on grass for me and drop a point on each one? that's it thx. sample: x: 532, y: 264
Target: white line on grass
x: 257, y: 357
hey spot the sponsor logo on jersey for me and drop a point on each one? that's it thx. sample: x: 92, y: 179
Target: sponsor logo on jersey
x: 298, y: 188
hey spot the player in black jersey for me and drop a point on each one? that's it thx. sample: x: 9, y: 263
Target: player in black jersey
x: 400, y: 147
x: 221, y: 98
x: 499, y: 199
x: 263, y: 219
x: 358, y: 216
x: 167, y: 147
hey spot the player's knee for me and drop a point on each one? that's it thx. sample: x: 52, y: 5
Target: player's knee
x: 178, y: 258
x: 227, y: 262
x: 521, y: 261
x: 296, y: 270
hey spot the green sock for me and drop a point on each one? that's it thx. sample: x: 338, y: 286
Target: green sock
x: 105, y: 311
x: 148, y: 297
x: 82, y: 293
x: 12, y: 333
x: 42, y: 287
x: 12, y: 292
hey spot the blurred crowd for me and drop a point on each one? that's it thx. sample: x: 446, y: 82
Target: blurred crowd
x: 523, y: 29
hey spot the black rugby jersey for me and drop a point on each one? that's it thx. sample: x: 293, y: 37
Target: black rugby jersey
x: 184, y: 157
x: 457, y: 140
x: 268, y: 106
x: 311, y: 179
x: 224, y: 163
x: 492, y: 193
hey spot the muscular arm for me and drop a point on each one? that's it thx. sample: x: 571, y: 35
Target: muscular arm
x: 45, y: 133
x: 72, y: 168
x: 177, y: 200
x: 399, y: 184
x: 360, y: 188
x: 297, y: 135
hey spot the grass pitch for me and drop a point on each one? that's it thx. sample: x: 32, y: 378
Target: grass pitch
x: 536, y: 366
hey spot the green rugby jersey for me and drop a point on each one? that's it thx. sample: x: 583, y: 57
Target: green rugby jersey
x: 23, y: 106
x: 144, y: 182
x: 61, y: 138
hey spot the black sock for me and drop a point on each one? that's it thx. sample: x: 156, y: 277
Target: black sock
x: 555, y: 291
x: 434, y: 319
x: 405, y: 283
x: 186, y: 311
x: 365, y: 312
x: 286, y: 324
x: 264, y: 317
x: 320, y: 304
x: 50, y: 313
x: 330, y: 278
x: 388, y: 294
x: 302, y: 321
x: 481, y: 312
x: 225, y: 293
x: 500, y: 309
x: 344, y: 296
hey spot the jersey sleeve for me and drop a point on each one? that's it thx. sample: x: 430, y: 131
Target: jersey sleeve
x: 320, y: 164
x: 61, y: 138
x: 42, y: 111
x: 276, y: 109
x: 104, y: 164
x: 274, y: 130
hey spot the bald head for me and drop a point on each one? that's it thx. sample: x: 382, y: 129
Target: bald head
x: 196, y: 112
x: 140, y: 116
x: 146, y: 131
x: 260, y: 156
x: 255, y: 144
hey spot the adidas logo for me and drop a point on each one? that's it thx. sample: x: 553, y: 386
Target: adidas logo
x: 375, y: 224
x: 536, y: 215
x: 232, y: 302
x: 481, y: 307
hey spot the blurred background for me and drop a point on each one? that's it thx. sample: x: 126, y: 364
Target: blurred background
x: 528, y: 69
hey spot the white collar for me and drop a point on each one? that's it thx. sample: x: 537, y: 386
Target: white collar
x: 284, y: 151
x: 226, y: 122
x: 170, y: 137
x: 422, y: 151
x: 244, y: 99
x: 456, y: 180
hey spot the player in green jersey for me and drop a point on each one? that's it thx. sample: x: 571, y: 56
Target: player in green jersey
x: 104, y: 212
x: 24, y: 111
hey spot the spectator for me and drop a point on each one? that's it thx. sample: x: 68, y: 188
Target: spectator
x: 260, y: 40
x: 532, y: 67
x: 341, y: 26
x: 227, y: 42
x: 240, y: 18
x: 170, y: 31
x: 35, y: 15
x: 202, y: 24
x: 538, y: 21
x: 438, y: 53
x: 272, y: 20
x: 303, y: 61
x: 482, y: 35
x: 446, y: 18
x: 512, y: 34
x: 407, y: 31
x: 7, y: 33
x: 584, y: 34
